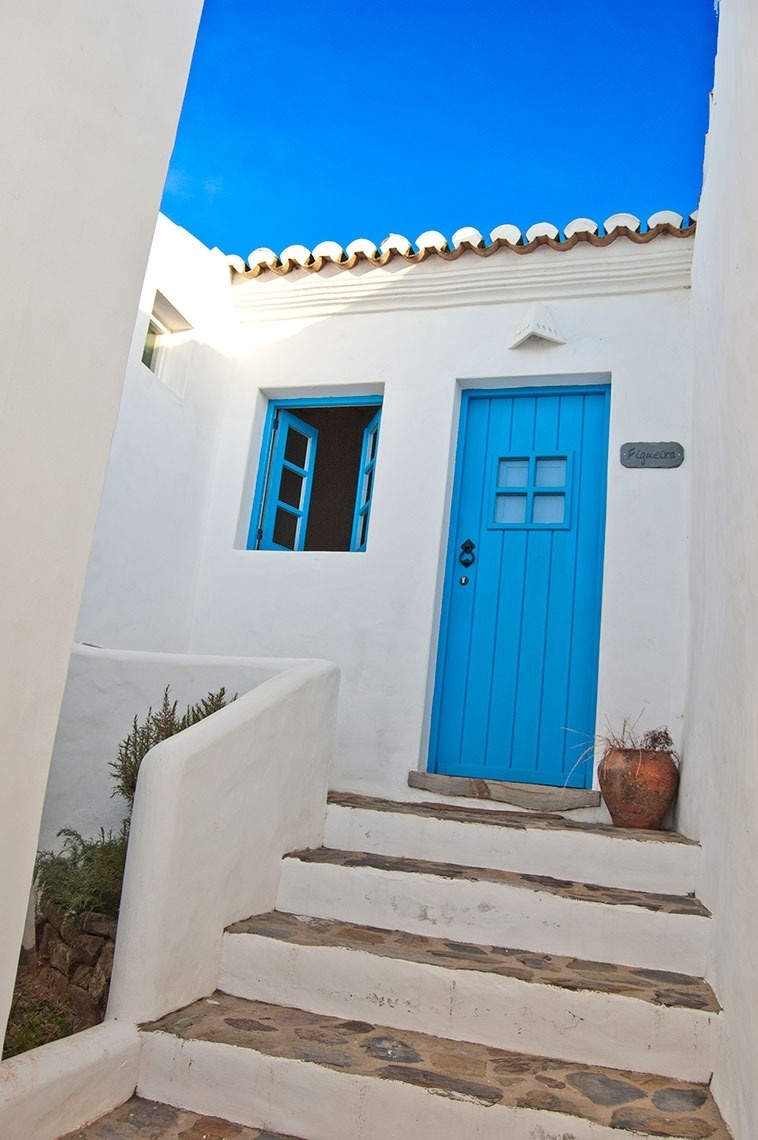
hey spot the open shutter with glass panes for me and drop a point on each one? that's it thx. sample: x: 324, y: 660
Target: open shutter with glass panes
x: 289, y: 484
x: 365, y: 488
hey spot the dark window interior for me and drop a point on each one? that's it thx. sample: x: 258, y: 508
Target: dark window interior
x: 335, y: 479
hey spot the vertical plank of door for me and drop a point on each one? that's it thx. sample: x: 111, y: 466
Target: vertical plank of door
x: 582, y: 692
x: 501, y: 714
x: 533, y: 648
x: 489, y: 594
x: 456, y: 653
x: 556, y: 747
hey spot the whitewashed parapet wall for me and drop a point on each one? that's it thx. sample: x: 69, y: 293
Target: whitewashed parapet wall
x: 105, y: 690
x: 417, y: 334
x: 85, y: 97
x: 719, y: 800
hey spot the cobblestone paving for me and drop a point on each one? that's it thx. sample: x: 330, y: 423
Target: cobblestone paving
x: 146, y: 1120
x: 518, y: 820
x: 660, y: 987
x: 584, y: 892
x: 647, y: 1104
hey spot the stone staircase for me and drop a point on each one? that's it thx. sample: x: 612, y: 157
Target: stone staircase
x: 443, y: 972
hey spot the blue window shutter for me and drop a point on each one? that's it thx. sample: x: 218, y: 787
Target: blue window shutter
x: 365, y: 491
x: 284, y: 519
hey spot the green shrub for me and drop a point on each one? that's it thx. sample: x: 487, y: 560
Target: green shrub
x: 86, y: 874
x: 156, y: 726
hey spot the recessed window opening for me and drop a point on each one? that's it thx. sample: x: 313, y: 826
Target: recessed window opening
x: 165, y: 322
x: 316, y: 479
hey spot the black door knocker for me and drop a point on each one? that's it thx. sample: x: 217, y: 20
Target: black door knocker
x: 467, y: 556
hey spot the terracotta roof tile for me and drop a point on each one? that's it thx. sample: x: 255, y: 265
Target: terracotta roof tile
x: 432, y: 243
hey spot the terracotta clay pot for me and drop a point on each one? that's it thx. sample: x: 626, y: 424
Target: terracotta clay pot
x: 638, y: 786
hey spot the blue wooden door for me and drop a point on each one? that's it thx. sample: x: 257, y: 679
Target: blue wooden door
x: 517, y: 669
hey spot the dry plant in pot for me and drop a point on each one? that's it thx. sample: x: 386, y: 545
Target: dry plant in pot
x: 639, y: 775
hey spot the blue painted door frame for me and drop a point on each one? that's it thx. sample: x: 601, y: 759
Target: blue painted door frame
x: 516, y: 683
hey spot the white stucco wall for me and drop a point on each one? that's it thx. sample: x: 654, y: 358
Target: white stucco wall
x: 90, y: 97
x: 217, y: 807
x: 417, y: 335
x: 376, y: 613
x: 140, y: 586
x: 719, y: 798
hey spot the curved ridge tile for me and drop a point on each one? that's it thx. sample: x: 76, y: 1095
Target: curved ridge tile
x: 396, y: 243
x: 300, y: 254
x: 506, y: 232
x: 362, y: 245
x: 434, y: 243
x: 432, y: 239
x: 262, y: 256
x: 329, y: 249
x: 580, y: 226
x: 617, y: 221
x: 467, y: 234
x: 542, y: 229
x: 663, y: 218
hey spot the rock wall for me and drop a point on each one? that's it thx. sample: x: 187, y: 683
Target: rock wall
x: 75, y: 959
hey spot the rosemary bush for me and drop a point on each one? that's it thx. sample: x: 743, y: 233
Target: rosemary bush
x: 156, y: 726
x: 87, y: 874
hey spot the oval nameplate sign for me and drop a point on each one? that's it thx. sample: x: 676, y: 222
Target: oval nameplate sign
x: 652, y: 454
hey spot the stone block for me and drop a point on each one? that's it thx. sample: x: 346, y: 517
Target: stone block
x: 59, y: 956
x: 86, y: 948
x: 82, y: 976
x: 54, y: 982
x: 47, y: 935
x: 101, y: 975
x: 84, y: 1009
x: 100, y: 924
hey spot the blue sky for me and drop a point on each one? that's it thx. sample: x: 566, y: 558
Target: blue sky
x: 308, y: 120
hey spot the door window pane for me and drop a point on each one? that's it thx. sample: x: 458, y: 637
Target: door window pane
x: 285, y: 528
x: 513, y: 473
x: 291, y: 487
x: 510, y: 509
x: 550, y: 473
x: 548, y: 508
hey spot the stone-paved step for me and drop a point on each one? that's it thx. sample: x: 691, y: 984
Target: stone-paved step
x: 529, y: 842
x: 578, y: 1010
x: 329, y: 1078
x: 139, y: 1119
x: 502, y: 908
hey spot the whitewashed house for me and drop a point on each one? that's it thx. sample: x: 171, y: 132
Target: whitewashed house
x: 504, y: 483
x: 298, y: 472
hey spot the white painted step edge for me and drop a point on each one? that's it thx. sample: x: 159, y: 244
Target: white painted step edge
x: 632, y: 864
x: 303, y: 1099
x: 495, y: 914
x: 468, y: 1005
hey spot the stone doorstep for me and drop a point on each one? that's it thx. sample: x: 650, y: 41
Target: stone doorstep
x: 641, y: 1103
x: 581, y: 892
x: 534, y: 797
x: 658, y: 987
x: 139, y: 1119
x: 517, y: 820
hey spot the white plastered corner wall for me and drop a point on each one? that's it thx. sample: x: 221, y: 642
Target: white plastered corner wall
x: 87, y: 91
x: 418, y: 335
x: 719, y: 797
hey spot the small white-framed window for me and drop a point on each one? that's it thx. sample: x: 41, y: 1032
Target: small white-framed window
x: 164, y: 327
